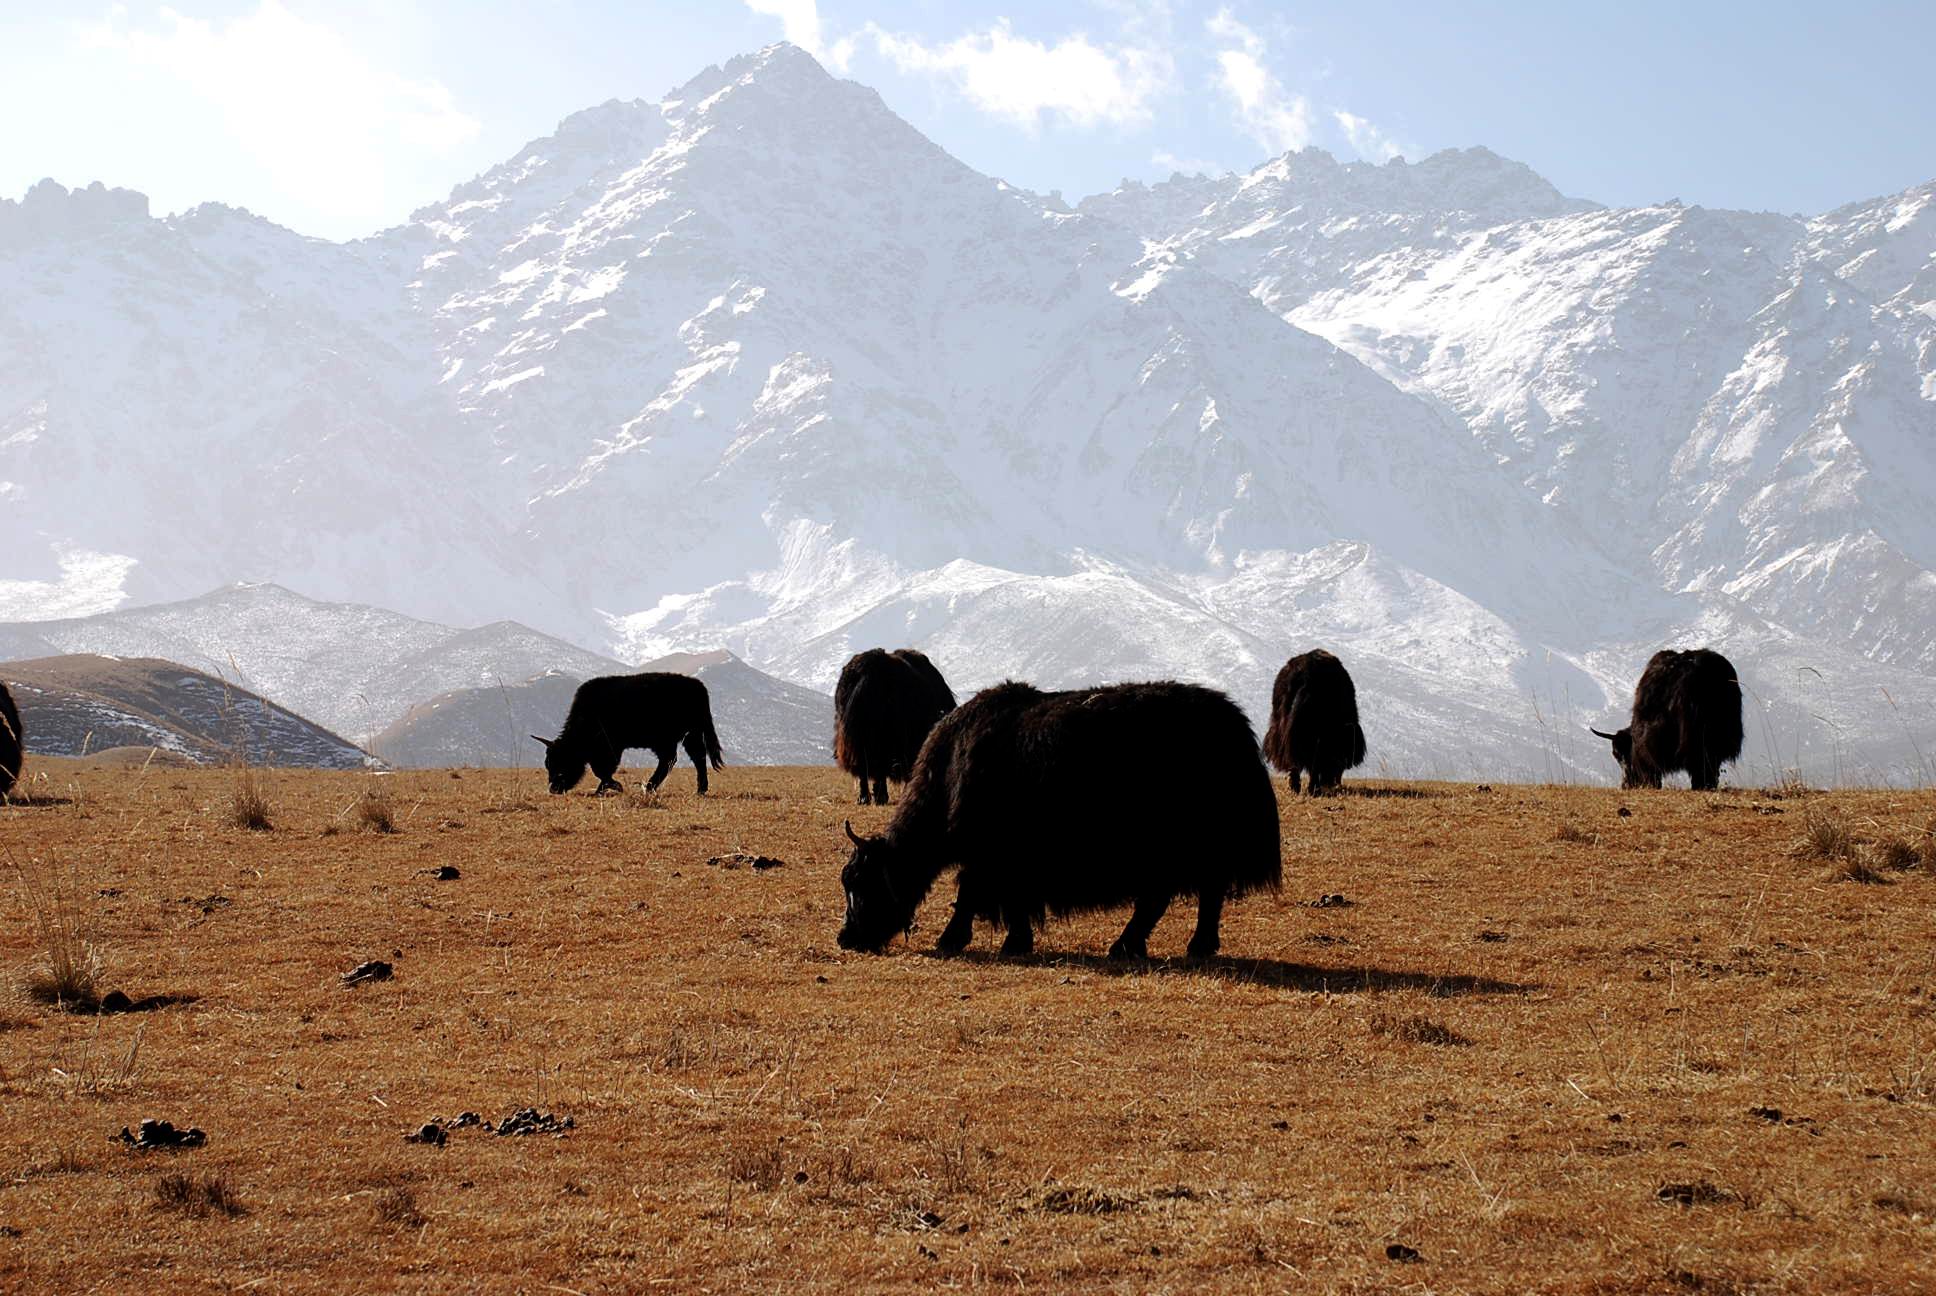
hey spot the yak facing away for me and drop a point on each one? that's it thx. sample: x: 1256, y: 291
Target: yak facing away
x: 1686, y: 716
x: 1038, y: 800
x: 13, y: 745
x: 884, y: 706
x: 655, y: 710
x: 1314, y: 721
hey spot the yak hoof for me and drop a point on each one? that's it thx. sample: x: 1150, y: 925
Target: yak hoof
x: 1123, y: 951
x: 952, y: 942
x: 1018, y: 948
x: 1203, y: 947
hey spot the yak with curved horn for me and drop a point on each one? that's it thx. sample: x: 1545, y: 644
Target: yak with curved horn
x: 1686, y: 716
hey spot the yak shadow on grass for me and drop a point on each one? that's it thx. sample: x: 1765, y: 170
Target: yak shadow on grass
x: 35, y: 800
x: 1307, y: 977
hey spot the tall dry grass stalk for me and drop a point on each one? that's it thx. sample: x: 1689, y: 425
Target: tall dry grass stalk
x: 248, y: 805
x: 67, y: 974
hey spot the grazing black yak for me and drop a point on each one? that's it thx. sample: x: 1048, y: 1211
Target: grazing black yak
x: 1045, y: 803
x: 1314, y: 721
x: 1686, y: 716
x: 13, y: 745
x: 884, y: 706
x: 655, y: 710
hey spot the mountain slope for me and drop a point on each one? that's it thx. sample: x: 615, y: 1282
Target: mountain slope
x: 82, y: 703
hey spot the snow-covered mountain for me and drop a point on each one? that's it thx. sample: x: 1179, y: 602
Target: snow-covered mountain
x: 350, y: 666
x: 760, y: 367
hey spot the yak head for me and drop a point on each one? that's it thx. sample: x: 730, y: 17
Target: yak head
x: 564, y: 764
x: 1622, y: 752
x: 878, y: 907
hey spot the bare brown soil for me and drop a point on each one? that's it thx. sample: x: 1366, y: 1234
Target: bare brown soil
x: 1541, y: 1039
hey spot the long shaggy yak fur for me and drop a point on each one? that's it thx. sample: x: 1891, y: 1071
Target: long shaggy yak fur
x: 656, y: 710
x: 13, y: 744
x: 884, y: 706
x: 1314, y: 721
x: 1045, y: 804
x: 1686, y: 716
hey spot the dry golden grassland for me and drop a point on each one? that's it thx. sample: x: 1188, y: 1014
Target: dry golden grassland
x: 1558, y: 1039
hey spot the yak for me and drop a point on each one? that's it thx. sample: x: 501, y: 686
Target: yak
x: 884, y: 706
x: 656, y: 710
x: 13, y: 746
x: 1314, y: 721
x: 1037, y: 801
x: 1686, y: 716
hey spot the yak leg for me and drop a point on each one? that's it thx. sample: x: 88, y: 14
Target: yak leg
x: 1705, y: 774
x: 696, y: 752
x: 865, y: 799
x: 880, y: 789
x: 1021, y: 932
x: 1209, y: 915
x: 961, y: 925
x: 1295, y: 780
x: 605, y: 766
x: 659, y: 774
x: 1134, y: 942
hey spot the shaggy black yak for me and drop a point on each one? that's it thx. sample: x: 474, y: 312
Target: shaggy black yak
x: 1314, y: 721
x: 655, y: 710
x: 1045, y: 803
x: 1686, y: 716
x: 884, y: 706
x: 13, y: 745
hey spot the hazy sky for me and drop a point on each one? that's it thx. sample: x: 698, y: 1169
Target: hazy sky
x: 337, y: 118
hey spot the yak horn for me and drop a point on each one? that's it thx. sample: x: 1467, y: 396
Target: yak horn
x: 848, y: 824
x: 546, y: 741
x: 1596, y: 733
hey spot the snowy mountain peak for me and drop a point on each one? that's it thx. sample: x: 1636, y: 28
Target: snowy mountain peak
x: 50, y: 211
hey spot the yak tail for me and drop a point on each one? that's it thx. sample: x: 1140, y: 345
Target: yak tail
x: 712, y: 741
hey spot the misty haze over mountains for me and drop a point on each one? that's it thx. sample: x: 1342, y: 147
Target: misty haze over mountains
x: 761, y: 368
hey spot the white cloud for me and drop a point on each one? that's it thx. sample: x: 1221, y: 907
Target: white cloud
x: 1022, y: 80
x: 1367, y: 139
x: 800, y: 21
x: 327, y: 124
x: 1275, y: 117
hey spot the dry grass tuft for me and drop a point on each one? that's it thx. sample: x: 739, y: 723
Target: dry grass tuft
x: 198, y: 1195
x: 395, y: 1209
x: 1824, y: 836
x: 375, y: 813
x: 1789, y: 786
x: 1858, y: 866
x: 760, y: 1165
x: 68, y: 973
x: 1574, y: 833
x: 1416, y: 1030
x: 1895, y: 853
x: 248, y: 805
